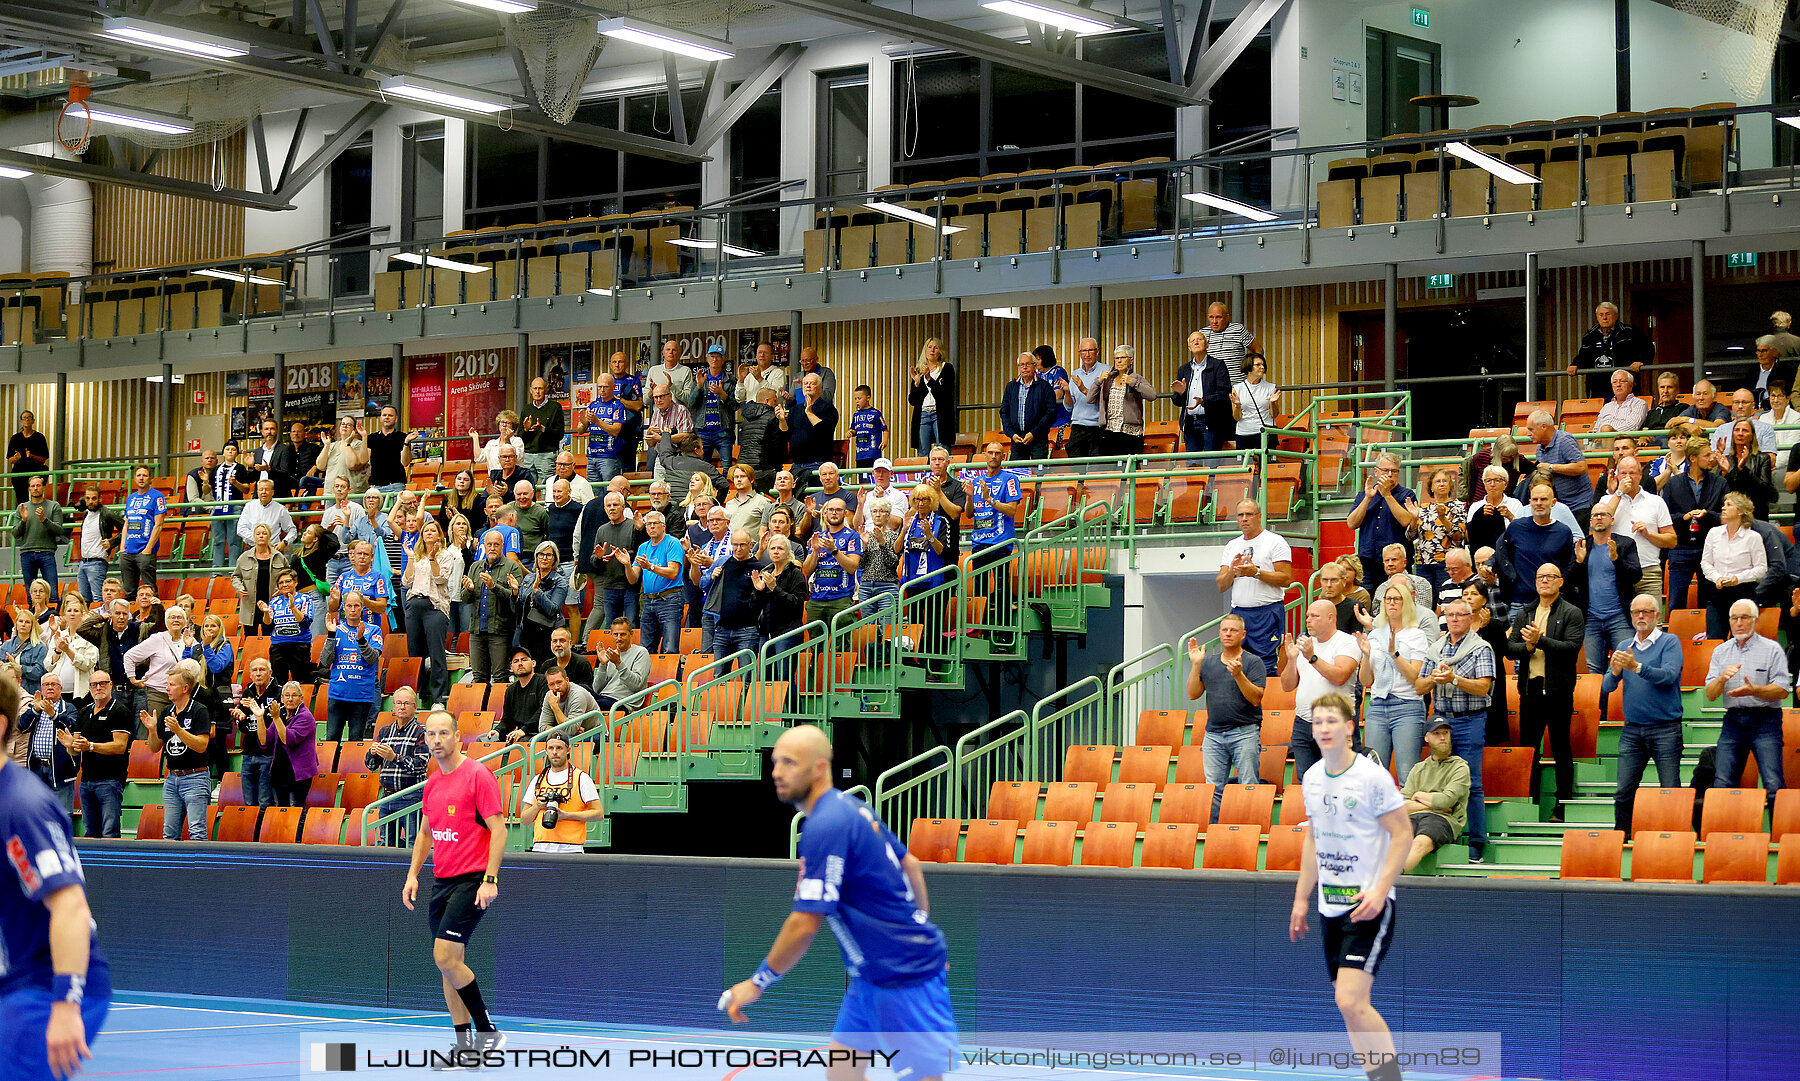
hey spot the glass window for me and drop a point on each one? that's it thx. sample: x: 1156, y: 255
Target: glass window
x: 505, y: 166
x: 664, y: 183
x: 1106, y: 115
x: 938, y: 107
x: 755, y: 164
x: 352, y: 184
x: 1031, y: 111
x: 845, y: 150
x: 422, y: 181
x: 577, y: 170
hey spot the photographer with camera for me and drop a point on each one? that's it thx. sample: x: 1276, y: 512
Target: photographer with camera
x: 561, y: 802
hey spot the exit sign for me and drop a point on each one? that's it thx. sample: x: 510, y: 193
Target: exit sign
x: 1741, y: 259
x: 1421, y: 17
x: 1440, y: 281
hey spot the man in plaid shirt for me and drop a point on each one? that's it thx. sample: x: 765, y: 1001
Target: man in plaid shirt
x: 1459, y: 673
x: 400, y: 755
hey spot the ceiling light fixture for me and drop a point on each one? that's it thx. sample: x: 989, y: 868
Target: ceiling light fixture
x: 601, y: 292
x: 1490, y: 163
x: 698, y: 46
x: 729, y: 249
x: 125, y: 116
x: 911, y: 215
x: 1051, y: 13
x: 1000, y: 313
x: 1790, y: 121
x: 234, y: 276
x: 1219, y: 202
x: 449, y: 95
x: 504, y: 7
x: 7, y: 172
x: 414, y: 258
x: 171, y: 39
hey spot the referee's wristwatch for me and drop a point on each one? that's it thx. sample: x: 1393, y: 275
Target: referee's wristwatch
x: 490, y: 880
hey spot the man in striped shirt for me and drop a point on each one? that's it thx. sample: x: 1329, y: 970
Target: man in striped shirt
x: 1228, y: 341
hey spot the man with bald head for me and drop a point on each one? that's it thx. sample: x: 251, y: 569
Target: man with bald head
x: 1544, y: 640
x: 607, y: 419
x: 857, y: 874
x: 812, y: 429
x: 1322, y: 661
x: 604, y: 529
x: 1256, y: 568
x: 1085, y: 430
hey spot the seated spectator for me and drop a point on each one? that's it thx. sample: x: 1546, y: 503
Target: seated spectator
x: 524, y: 701
x: 1231, y: 681
x: 1322, y: 661
x: 490, y: 596
x: 563, y: 655
x: 1707, y: 412
x: 400, y: 757
x: 1745, y: 466
x: 561, y: 801
x: 1647, y: 671
x: 103, y: 727
x: 1437, y: 795
x: 1750, y: 671
x: 352, y: 655
x: 1624, y: 411
x: 1502, y: 452
x: 1733, y: 560
x: 564, y: 700
x: 1393, y: 654
x: 50, y: 722
x: 621, y: 670
x: 1668, y: 406
x: 1604, y: 581
x: 187, y: 780
x: 1743, y: 407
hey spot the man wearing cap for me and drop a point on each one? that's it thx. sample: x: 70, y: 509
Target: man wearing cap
x: 1437, y: 795
x: 716, y: 416
x: 881, y: 486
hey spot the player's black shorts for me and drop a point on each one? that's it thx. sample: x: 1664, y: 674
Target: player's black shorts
x: 1360, y: 945
x: 453, y: 911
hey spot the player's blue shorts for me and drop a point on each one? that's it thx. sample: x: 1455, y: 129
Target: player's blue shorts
x: 915, y: 1021
x: 25, y: 1014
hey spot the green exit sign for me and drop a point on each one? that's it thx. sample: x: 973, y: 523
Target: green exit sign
x: 1421, y: 17
x: 1440, y: 281
x: 1741, y: 259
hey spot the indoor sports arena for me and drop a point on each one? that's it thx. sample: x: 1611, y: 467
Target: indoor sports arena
x: 1031, y: 524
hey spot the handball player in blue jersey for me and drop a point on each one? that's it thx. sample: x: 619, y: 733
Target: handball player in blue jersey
x: 54, y: 987
x: 858, y: 877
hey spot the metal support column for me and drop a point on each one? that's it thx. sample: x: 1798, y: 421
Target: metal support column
x: 1531, y: 325
x: 165, y: 427
x: 1094, y: 319
x: 656, y: 340
x: 280, y: 389
x: 794, y: 338
x: 1237, y: 297
x: 524, y: 368
x: 1622, y: 55
x: 1697, y: 301
x: 1390, y: 323
x: 59, y: 455
x: 953, y: 339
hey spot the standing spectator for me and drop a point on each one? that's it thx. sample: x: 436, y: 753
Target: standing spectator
x: 523, y: 704
x: 1086, y: 436
x: 488, y: 457
x: 113, y: 633
x: 832, y: 557
x: 762, y: 434
x: 669, y: 427
x: 1787, y: 345
x: 812, y: 429
x: 878, y: 575
x: 541, y: 429
x: 1322, y: 661
x: 103, y: 728
x: 1027, y: 410
x: 490, y: 590
x: 187, y: 780
x: 263, y: 510
x: 621, y: 668
x: 292, y: 729
x: 1122, y: 395
x: 49, y: 725
x: 785, y: 608
x: 655, y: 568
x: 868, y: 428
x: 579, y: 489
x: 1707, y: 411
x: 254, y: 738
x: 1253, y: 404
x: 952, y: 493
x: 1733, y: 560
x: 764, y: 376
x: 785, y: 498
x: 1668, y: 406
x: 1745, y: 466
x: 1489, y: 516
x: 1648, y: 668
x: 1784, y: 420
x: 881, y: 486
x: 159, y: 652
x: 733, y: 600
x: 145, y: 509
x: 1228, y: 342
x: 1380, y: 515
x: 390, y: 452
x: 1624, y: 411
x: 1751, y: 672
x: 743, y: 504
x: 297, y: 461
x: 1054, y: 374
x: 1643, y: 516
x: 1545, y: 640
x: 563, y: 656
x: 703, y: 561
x: 1610, y: 345
x: 1459, y: 575
x: 1694, y: 502
x: 1602, y: 585
x: 1202, y: 386
x: 678, y: 377
x: 101, y: 529
x: 37, y: 533
x: 69, y: 655
x: 1334, y: 580
x: 399, y: 756
x: 1256, y: 568
x: 1460, y: 674
x: 1770, y: 367
x: 261, y: 456
x: 533, y: 520
x: 933, y: 398
x: 27, y: 454
x: 924, y: 547
x: 346, y: 456
x: 363, y: 577
x: 561, y: 516
x: 629, y: 386
x: 716, y: 409
x: 228, y: 485
x: 1528, y: 544
x: 464, y: 498
x: 604, y: 529
x: 1393, y: 656
x: 1232, y: 683
x: 809, y: 365
x: 995, y: 501
x: 289, y: 616
x: 1442, y: 524
x: 541, y: 596
x: 347, y: 522
x: 352, y: 655
x: 1559, y: 452
x: 1436, y: 791
x: 433, y: 571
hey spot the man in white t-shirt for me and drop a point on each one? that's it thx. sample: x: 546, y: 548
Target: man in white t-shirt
x: 1256, y: 569
x: 567, y: 791
x: 1357, y: 837
x: 1642, y: 515
x: 1322, y: 661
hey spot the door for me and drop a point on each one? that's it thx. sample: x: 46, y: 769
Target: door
x: 1400, y: 69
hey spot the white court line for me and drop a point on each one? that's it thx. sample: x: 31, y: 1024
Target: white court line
x: 280, y: 1024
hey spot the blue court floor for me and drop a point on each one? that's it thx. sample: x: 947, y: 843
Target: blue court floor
x: 174, y: 1037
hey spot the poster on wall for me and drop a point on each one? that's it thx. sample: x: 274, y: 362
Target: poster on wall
x: 350, y: 386
x: 378, y: 385
x: 475, y: 390
x: 261, y: 385
x: 582, y: 367
x: 778, y: 341
x: 309, y: 393
x: 240, y: 423
x: 747, y: 342
x: 237, y: 384
x: 558, y: 365
x: 425, y: 404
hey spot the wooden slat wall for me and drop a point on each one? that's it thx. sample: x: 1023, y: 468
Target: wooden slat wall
x: 138, y: 229
x: 112, y: 418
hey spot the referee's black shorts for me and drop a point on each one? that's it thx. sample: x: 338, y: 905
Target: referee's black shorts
x: 453, y: 910
x: 1358, y: 944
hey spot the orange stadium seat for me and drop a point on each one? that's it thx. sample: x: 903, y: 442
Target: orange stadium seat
x: 280, y: 825
x: 990, y: 841
x: 1189, y: 803
x: 150, y: 823
x: 1786, y: 818
x: 1145, y: 765
x: 1592, y: 855
x: 1093, y: 763
x: 1190, y: 764
x: 1049, y: 843
x: 1736, y: 857
x: 1170, y: 845
x: 323, y: 826
x: 1787, y: 861
x: 1108, y: 844
x: 1230, y: 847
x: 1164, y: 726
x: 1286, y: 844
x: 1662, y: 856
x: 1661, y: 810
x: 238, y: 823
x: 1070, y: 801
x: 933, y: 840
x: 1016, y: 800
x: 1248, y: 805
x: 1293, y: 805
x: 1129, y: 803
x: 1731, y: 810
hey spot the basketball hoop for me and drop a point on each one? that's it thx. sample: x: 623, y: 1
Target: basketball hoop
x: 78, y: 95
